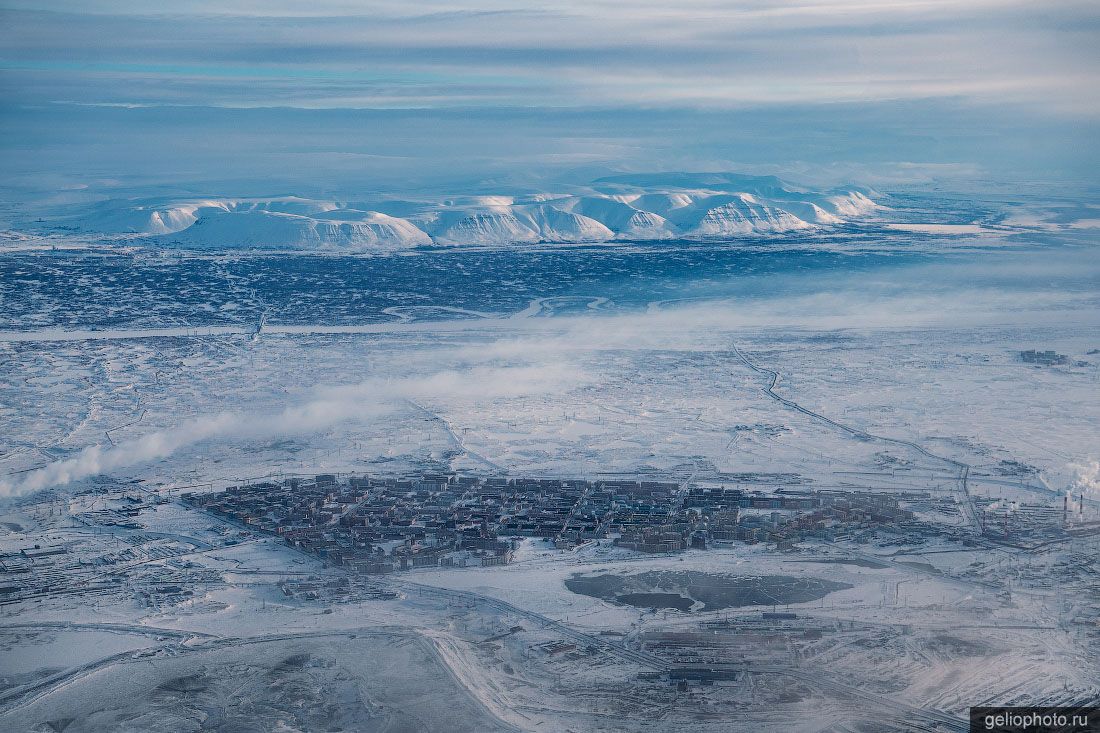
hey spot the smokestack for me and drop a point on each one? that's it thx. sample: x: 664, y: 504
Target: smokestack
x: 1065, y: 508
x: 1081, y: 504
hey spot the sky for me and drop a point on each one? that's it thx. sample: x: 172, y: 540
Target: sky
x: 356, y: 97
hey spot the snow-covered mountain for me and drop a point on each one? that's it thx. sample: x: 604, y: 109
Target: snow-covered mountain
x: 631, y: 207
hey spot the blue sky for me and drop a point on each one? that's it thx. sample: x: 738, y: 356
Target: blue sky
x: 346, y: 96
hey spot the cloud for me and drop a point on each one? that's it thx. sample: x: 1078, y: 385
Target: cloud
x: 601, y: 53
x: 238, y: 96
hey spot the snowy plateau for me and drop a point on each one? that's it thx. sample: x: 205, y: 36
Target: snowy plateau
x: 670, y: 453
x: 627, y: 207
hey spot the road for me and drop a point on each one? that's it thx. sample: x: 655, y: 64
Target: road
x: 459, y: 444
x: 962, y: 469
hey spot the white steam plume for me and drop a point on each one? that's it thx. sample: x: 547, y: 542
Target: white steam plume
x: 1086, y: 479
x: 332, y: 405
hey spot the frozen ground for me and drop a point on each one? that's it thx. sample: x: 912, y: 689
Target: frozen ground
x: 363, y: 681
x: 665, y: 394
x: 892, y: 368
